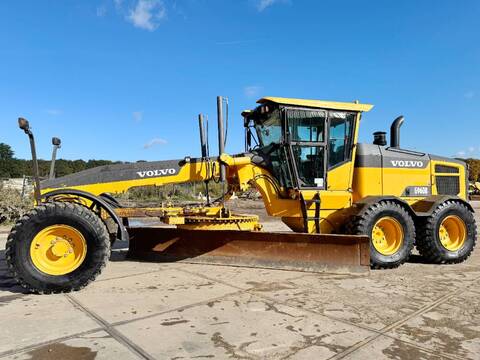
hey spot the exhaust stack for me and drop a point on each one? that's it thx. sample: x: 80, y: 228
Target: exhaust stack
x: 395, y: 132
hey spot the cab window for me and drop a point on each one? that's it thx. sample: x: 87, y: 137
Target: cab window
x: 307, y: 134
x: 310, y: 165
x: 269, y: 128
x: 306, y: 125
x: 340, y: 137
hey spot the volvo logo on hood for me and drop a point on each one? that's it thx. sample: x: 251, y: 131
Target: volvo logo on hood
x: 407, y: 163
x: 154, y: 173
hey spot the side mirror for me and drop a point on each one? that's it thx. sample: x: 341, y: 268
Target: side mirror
x: 56, y: 141
x: 23, y: 124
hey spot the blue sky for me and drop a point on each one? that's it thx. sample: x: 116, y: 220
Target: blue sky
x: 125, y: 80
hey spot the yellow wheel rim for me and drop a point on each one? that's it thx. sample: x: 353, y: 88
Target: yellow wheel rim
x: 387, y: 235
x: 58, y: 250
x: 452, y: 233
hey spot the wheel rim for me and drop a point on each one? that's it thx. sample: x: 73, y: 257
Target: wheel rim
x: 452, y: 233
x: 387, y: 235
x: 58, y: 250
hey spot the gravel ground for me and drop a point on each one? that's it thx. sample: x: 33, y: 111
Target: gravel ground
x: 141, y: 310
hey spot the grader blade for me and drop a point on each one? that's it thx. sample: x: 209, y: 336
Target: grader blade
x: 275, y: 250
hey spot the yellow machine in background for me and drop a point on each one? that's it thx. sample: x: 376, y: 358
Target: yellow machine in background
x: 349, y: 205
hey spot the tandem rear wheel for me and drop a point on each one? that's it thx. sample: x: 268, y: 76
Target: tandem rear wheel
x: 449, y: 235
x: 57, y: 247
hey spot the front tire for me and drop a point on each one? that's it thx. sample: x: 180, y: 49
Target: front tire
x: 57, y: 247
x: 391, y: 231
x: 448, y: 236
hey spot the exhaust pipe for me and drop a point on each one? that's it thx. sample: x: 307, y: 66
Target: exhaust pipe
x: 395, y: 132
x: 56, y: 142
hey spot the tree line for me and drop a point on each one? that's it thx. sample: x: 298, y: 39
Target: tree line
x: 474, y: 169
x: 11, y: 167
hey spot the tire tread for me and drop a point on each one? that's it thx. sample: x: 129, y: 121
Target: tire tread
x: 40, y: 213
x: 361, y: 222
x: 426, y: 230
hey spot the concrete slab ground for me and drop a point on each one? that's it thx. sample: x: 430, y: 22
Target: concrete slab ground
x: 146, y: 310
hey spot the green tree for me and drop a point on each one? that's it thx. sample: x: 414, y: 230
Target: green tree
x: 474, y: 166
x: 6, y: 152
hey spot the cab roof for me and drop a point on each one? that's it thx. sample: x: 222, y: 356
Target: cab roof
x: 352, y: 106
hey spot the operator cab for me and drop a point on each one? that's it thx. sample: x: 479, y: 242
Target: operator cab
x: 299, y: 141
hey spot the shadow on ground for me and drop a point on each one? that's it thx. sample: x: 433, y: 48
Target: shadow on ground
x: 417, y: 259
x: 7, y: 283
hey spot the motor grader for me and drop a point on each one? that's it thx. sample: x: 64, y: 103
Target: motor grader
x: 350, y: 206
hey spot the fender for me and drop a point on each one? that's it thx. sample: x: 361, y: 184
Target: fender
x: 422, y: 208
x: 428, y: 205
x: 122, y: 233
x: 370, y: 200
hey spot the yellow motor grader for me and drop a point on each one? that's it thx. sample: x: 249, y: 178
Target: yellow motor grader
x: 350, y: 206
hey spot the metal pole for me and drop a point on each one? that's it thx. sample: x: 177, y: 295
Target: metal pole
x: 23, y: 186
x: 25, y: 126
x: 56, y: 142
x: 221, y: 135
x: 204, y: 146
x: 203, y: 140
x: 56, y: 145
x: 35, y: 167
x: 52, y: 163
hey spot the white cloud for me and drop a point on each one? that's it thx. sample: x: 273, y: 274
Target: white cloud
x: 54, y: 112
x: 469, y: 95
x: 147, y: 14
x: 470, y: 151
x: 263, y: 4
x: 153, y: 142
x: 101, y: 10
x: 252, y: 91
x: 137, y: 116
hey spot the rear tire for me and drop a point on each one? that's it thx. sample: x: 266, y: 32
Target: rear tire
x: 453, y: 224
x: 81, y: 235
x: 391, y: 231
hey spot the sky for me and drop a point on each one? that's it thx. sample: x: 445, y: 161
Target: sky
x: 125, y: 79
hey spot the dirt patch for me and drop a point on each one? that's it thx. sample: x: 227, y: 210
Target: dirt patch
x: 62, y: 351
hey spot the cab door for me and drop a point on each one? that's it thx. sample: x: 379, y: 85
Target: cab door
x: 306, y: 139
x: 341, y: 136
x: 321, y: 148
x: 341, y: 151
